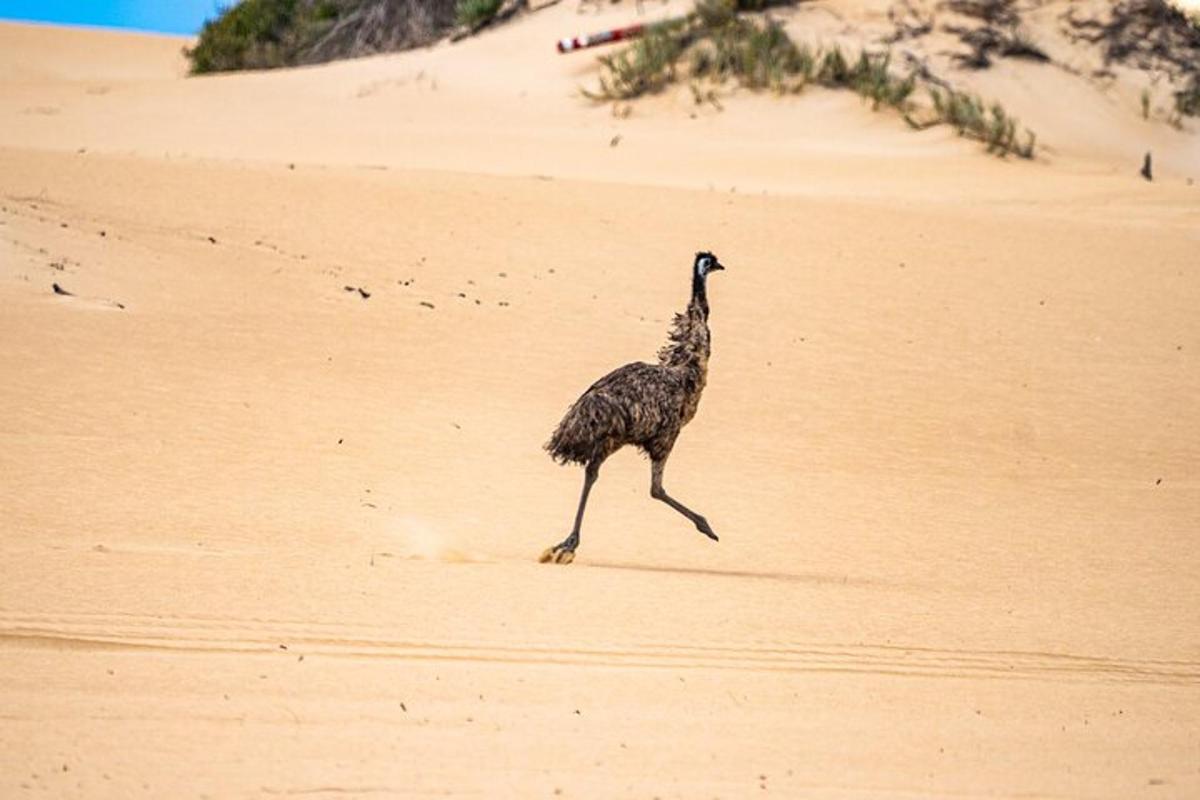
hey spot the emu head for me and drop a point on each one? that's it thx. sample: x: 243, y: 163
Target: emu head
x: 706, y: 262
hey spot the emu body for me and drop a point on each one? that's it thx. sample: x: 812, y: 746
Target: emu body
x: 640, y: 404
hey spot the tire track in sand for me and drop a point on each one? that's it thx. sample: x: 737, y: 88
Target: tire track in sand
x: 117, y: 631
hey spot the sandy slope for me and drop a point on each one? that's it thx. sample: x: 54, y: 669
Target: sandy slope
x: 264, y: 537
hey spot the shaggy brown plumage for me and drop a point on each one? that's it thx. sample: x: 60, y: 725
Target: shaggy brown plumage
x: 641, y: 404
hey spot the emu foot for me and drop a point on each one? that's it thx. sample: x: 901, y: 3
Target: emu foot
x: 562, y: 553
x: 703, y: 526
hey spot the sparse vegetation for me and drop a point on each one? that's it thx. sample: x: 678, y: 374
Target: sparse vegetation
x: 992, y: 12
x: 758, y: 56
x: 643, y: 67
x: 716, y: 45
x: 1187, y: 100
x: 986, y: 42
x: 1151, y: 35
x: 1021, y: 44
x: 991, y: 125
x: 997, y: 31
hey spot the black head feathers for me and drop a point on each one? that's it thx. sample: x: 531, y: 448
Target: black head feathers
x: 706, y: 262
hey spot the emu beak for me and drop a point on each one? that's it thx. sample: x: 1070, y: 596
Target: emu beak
x: 716, y: 266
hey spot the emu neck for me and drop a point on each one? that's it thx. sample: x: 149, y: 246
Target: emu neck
x: 699, y: 296
x: 688, y: 345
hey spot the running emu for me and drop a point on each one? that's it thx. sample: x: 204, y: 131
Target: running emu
x: 640, y: 404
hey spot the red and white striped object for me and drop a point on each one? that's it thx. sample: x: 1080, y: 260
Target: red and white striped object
x: 604, y: 37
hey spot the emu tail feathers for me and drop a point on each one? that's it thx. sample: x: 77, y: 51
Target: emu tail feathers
x: 584, y: 433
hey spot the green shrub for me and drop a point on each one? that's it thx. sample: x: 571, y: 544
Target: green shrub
x: 715, y: 14
x: 833, y: 71
x: 871, y: 77
x: 474, y: 13
x: 1187, y: 100
x: 257, y: 34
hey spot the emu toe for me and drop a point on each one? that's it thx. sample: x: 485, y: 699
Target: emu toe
x: 703, y: 526
x: 558, y: 554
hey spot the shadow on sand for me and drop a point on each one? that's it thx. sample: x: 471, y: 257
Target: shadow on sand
x: 790, y: 577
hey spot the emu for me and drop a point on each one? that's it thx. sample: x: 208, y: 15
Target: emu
x: 641, y: 404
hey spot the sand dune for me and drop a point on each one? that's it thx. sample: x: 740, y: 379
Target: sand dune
x: 266, y: 536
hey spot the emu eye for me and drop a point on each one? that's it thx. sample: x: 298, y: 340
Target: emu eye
x: 705, y: 263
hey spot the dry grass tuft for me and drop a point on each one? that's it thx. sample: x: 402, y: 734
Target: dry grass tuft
x: 715, y: 44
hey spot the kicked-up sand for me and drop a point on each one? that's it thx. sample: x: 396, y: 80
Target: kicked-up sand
x: 265, y: 534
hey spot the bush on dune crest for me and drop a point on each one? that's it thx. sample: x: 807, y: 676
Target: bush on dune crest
x: 261, y: 34
x: 258, y: 34
x: 722, y: 46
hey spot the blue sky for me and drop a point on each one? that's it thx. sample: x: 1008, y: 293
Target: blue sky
x: 166, y: 16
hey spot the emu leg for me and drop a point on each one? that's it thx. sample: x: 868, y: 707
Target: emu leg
x: 564, y: 551
x: 659, y: 493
